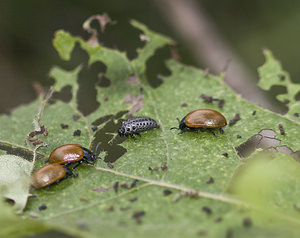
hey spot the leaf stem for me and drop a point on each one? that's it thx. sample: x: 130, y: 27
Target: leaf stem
x: 34, y: 157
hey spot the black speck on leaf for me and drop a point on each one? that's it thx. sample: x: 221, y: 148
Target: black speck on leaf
x: 164, y: 167
x: 281, y: 129
x: 110, y: 165
x: 247, y: 222
x: 183, y: 104
x: 133, y: 184
x: 211, y: 180
x: 77, y: 132
x: 282, y: 77
x: 116, y: 186
x: 221, y: 103
x: 137, y: 215
x: 167, y: 192
x: 207, y: 99
x: 43, y: 207
x: 225, y: 154
x: 64, y: 126
x: 133, y: 199
x: 235, y: 119
x: 76, y: 117
x: 207, y: 210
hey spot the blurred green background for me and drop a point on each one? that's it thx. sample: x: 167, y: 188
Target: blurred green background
x: 27, y: 29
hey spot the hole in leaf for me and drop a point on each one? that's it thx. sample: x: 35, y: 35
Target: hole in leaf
x: 297, y: 97
x: 10, y: 201
x: 19, y: 152
x: 156, y: 68
x: 64, y: 95
x: 101, y: 120
x: 110, y: 141
x: 266, y: 140
x: 87, y: 94
x: 103, y: 82
x: 272, y: 93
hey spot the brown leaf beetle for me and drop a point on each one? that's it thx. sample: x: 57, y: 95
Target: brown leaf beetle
x: 202, y: 119
x: 72, y: 154
x: 49, y: 174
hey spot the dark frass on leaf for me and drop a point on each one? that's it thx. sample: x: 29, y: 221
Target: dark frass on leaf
x: 64, y: 126
x: 235, y: 119
x: 211, y: 180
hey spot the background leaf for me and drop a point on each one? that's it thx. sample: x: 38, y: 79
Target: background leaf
x: 271, y: 73
x: 15, y: 180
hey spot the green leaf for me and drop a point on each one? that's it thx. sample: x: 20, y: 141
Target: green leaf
x: 195, y: 169
x: 271, y: 73
x: 64, y: 43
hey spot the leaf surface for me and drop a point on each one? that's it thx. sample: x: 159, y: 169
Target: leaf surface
x: 191, y: 196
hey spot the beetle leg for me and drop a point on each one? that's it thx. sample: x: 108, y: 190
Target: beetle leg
x: 210, y: 130
x: 221, y: 130
x: 88, y: 163
x: 70, y: 173
x: 76, y: 165
x: 132, y: 136
x: 138, y: 134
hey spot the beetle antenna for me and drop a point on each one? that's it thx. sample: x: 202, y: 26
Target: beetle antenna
x: 97, y: 146
x: 172, y: 128
x: 178, y: 119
